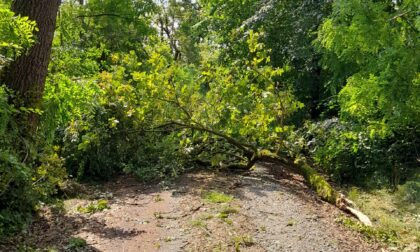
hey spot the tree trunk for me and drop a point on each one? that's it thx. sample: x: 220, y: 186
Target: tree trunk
x: 27, y: 74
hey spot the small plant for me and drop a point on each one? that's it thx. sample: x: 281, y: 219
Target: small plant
x: 217, y: 197
x: 168, y: 239
x: 225, y: 212
x: 245, y: 240
x: 229, y: 210
x: 228, y: 221
x: 354, y: 193
x: 198, y: 223
x: 206, y: 216
x: 94, y: 207
x: 157, y: 198
x: 76, y: 243
x: 102, y: 205
x: 158, y: 215
x: 223, y: 215
x: 219, y: 248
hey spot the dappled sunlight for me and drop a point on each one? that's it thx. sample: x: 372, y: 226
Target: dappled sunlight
x: 209, y: 125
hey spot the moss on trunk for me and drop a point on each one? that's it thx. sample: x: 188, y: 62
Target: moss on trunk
x: 317, y: 183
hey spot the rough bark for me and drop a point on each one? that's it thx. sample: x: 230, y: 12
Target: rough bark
x: 27, y: 74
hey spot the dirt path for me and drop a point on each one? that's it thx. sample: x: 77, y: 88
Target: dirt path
x: 201, y: 212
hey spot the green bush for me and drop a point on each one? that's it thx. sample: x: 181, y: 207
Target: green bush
x: 352, y: 154
x: 105, y: 133
x: 75, y: 244
x: 159, y: 157
x: 16, y: 195
x: 28, y: 173
x: 17, y: 198
x: 410, y: 192
x: 96, y: 132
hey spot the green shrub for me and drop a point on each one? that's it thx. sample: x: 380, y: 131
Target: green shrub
x: 410, y: 192
x: 28, y: 173
x: 100, y: 134
x: 159, y: 157
x: 49, y: 176
x: 17, y: 197
x: 76, y: 243
x: 357, y: 155
x: 109, y: 138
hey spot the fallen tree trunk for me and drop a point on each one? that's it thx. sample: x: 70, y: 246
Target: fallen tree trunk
x: 318, y: 183
x: 359, y: 215
x: 315, y: 181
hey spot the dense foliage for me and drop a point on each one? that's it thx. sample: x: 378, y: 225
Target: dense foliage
x: 157, y: 88
x: 371, y: 46
x: 16, y: 35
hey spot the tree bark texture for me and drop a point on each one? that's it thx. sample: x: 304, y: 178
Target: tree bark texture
x: 27, y: 74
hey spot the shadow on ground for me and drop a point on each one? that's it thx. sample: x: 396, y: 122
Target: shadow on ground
x: 53, y: 229
x: 146, y: 216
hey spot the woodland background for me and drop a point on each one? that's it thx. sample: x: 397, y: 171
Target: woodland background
x: 159, y: 88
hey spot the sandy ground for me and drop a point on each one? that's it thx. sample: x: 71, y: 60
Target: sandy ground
x: 268, y: 213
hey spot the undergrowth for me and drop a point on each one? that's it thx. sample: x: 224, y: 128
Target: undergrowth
x: 217, y: 197
x: 395, y: 215
x: 94, y: 207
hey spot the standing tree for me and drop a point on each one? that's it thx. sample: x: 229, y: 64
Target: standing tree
x: 27, y: 74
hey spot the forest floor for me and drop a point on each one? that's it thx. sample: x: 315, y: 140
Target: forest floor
x: 200, y: 211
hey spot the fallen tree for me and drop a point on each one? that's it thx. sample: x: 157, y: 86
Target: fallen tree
x: 313, y: 179
x: 228, y: 117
